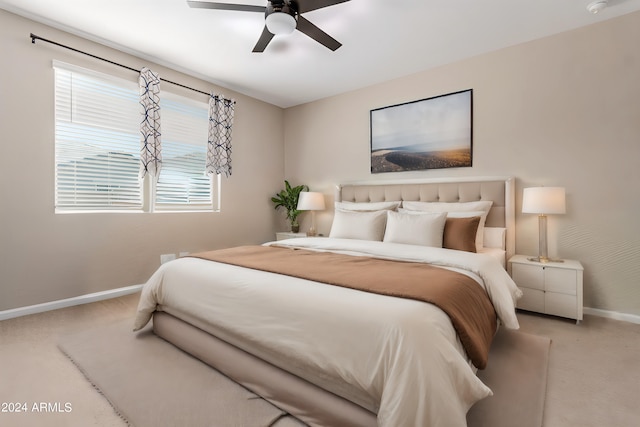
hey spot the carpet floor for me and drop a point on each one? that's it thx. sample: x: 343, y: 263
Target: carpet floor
x: 593, y: 377
x: 149, y: 382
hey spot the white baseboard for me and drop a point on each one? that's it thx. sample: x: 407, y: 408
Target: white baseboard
x: 82, y: 299
x: 625, y: 317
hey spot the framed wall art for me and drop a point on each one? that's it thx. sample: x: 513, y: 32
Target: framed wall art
x: 432, y: 133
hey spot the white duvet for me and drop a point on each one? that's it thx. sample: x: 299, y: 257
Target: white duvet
x: 396, y: 357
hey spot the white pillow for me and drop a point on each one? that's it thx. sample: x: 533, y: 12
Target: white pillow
x: 495, y: 237
x: 482, y: 206
x: 426, y: 229
x: 358, y: 225
x: 366, y: 207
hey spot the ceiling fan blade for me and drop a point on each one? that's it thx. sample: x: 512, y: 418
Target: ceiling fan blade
x: 309, y: 5
x: 317, y: 34
x: 264, y: 40
x: 226, y: 6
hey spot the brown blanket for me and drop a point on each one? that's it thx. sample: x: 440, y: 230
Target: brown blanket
x: 458, y: 295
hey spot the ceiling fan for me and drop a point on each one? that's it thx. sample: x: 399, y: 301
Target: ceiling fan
x: 281, y: 17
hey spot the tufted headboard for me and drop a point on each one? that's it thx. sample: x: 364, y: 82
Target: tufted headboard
x: 500, y: 190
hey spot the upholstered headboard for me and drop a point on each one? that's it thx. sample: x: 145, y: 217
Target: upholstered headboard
x: 499, y: 190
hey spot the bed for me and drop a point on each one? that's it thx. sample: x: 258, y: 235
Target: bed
x: 333, y: 355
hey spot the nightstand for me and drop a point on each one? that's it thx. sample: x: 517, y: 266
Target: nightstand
x: 281, y: 235
x: 550, y: 288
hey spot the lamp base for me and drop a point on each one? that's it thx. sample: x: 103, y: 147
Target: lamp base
x: 544, y: 260
x: 542, y: 242
x: 312, y: 230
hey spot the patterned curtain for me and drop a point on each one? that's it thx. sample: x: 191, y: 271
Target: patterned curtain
x: 150, y: 148
x: 219, y: 141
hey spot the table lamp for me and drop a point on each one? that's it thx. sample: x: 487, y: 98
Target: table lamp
x: 543, y: 201
x: 311, y: 201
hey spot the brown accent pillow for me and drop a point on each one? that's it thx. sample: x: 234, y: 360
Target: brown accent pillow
x: 460, y: 233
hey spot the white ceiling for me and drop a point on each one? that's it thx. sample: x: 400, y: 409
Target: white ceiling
x: 382, y: 39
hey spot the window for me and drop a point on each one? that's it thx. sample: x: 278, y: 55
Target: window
x: 182, y: 183
x: 97, y: 146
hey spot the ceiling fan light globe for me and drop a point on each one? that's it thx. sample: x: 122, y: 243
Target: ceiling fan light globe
x: 279, y: 23
x: 596, y: 6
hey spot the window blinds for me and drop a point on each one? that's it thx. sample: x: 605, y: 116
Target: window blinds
x: 97, y: 143
x: 97, y: 152
x: 183, y: 183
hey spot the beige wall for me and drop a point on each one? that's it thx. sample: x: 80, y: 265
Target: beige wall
x: 564, y: 110
x: 560, y: 111
x: 46, y: 257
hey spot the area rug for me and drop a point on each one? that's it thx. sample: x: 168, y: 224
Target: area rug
x: 517, y: 375
x: 149, y: 382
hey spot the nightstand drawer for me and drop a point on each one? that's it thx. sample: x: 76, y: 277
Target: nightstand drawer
x: 560, y: 280
x: 531, y: 300
x: 560, y: 304
x: 528, y: 276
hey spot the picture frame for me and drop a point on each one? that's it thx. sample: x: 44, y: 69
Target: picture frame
x: 430, y: 133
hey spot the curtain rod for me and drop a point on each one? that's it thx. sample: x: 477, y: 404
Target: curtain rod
x: 34, y: 38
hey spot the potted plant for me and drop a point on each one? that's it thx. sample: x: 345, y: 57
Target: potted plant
x: 288, y: 199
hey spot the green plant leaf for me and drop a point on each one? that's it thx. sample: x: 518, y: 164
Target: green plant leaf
x: 288, y: 199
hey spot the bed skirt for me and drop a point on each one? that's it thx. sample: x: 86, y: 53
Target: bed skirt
x: 302, y: 399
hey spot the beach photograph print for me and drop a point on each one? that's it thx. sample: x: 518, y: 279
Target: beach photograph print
x: 433, y: 133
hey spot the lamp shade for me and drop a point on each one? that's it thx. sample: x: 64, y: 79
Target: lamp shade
x: 543, y: 200
x: 311, y: 201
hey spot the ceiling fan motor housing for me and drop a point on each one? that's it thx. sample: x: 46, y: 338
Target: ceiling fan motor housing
x: 290, y: 8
